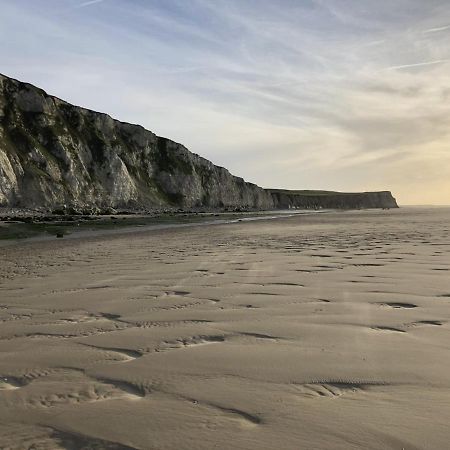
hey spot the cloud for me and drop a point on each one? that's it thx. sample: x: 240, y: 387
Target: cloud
x: 421, y: 64
x: 437, y: 29
x: 88, y: 3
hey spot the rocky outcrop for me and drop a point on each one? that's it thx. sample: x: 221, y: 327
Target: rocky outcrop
x: 53, y: 153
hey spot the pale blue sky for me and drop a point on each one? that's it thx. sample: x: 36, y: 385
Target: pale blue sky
x: 330, y: 94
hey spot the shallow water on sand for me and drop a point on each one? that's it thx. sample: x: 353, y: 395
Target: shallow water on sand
x: 326, y: 331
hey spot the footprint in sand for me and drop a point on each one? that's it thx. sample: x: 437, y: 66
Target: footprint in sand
x: 9, y: 383
x: 399, y: 305
x: 419, y: 323
x: 388, y: 329
x: 176, y: 293
x: 123, y: 354
x: 192, y: 341
x: 334, y: 389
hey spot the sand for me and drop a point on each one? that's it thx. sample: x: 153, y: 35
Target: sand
x: 327, y: 331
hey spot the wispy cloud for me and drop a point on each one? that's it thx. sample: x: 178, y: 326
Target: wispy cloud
x: 421, y: 64
x: 88, y: 3
x: 437, y: 29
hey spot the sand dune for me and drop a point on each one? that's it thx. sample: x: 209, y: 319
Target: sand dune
x: 314, y: 332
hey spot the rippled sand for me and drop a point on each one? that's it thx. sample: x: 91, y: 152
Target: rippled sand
x: 314, y: 332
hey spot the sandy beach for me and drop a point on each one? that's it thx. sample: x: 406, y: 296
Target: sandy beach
x: 327, y: 331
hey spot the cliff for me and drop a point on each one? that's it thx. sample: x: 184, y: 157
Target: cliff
x: 53, y: 153
x: 332, y: 200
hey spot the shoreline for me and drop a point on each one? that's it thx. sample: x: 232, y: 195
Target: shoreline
x: 134, y: 224
x: 14, y: 232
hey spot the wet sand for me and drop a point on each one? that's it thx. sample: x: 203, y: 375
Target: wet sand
x: 328, y: 331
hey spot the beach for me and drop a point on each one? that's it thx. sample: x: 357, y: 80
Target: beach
x: 321, y: 331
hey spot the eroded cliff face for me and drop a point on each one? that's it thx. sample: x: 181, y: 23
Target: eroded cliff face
x: 53, y: 153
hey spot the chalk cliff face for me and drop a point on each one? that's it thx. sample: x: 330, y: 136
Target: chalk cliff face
x: 53, y: 153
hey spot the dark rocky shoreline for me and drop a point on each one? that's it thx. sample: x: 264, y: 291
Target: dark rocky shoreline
x: 16, y: 224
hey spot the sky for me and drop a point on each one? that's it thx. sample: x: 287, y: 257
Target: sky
x: 349, y: 95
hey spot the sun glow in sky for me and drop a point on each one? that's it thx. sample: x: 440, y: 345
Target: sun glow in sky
x: 344, y: 95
